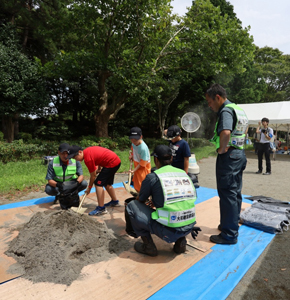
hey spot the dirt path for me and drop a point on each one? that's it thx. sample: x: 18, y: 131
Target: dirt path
x: 276, y: 185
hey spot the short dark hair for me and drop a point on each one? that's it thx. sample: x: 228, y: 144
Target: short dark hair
x: 164, y: 162
x: 265, y: 120
x: 216, y: 89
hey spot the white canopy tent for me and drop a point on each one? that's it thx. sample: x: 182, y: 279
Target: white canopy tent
x: 277, y: 112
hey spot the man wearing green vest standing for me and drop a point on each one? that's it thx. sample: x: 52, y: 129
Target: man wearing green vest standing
x: 170, y: 213
x: 61, y: 169
x: 229, y: 137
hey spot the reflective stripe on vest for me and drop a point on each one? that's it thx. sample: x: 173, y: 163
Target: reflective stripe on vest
x: 237, y: 138
x: 179, y: 198
x: 70, y: 172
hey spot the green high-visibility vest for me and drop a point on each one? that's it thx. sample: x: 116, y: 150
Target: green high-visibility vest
x: 179, y: 198
x: 70, y: 172
x: 237, y: 138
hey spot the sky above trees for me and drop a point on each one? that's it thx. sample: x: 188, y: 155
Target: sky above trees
x: 269, y: 20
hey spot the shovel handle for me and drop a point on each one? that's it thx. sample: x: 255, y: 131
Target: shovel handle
x: 130, y: 174
x: 82, y: 201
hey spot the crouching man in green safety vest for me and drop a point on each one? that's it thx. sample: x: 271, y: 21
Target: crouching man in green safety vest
x: 170, y: 214
x: 61, y: 170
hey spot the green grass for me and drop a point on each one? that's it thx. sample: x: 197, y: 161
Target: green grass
x: 19, y: 176
x: 30, y: 175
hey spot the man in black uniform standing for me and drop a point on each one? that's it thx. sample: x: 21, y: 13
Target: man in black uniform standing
x: 229, y: 137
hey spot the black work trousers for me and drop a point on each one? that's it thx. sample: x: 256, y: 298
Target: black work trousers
x: 229, y: 172
x: 264, y: 148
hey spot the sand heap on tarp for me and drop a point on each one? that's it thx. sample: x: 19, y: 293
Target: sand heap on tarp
x: 55, y: 246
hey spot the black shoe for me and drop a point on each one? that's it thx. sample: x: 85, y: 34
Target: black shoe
x: 259, y: 172
x: 220, y: 227
x: 56, y: 199
x: 218, y: 239
x: 180, y: 245
x: 267, y: 173
x: 147, y: 247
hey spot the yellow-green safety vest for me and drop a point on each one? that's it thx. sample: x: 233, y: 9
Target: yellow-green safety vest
x: 179, y: 198
x: 237, y: 138
x: 70, y: 172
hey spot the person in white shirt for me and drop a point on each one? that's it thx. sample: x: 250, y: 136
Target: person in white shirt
x: 264, y: 146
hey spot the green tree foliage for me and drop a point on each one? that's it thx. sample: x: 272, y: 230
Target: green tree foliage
x: 247, y: 87
x: 275, y: 69
x: 124, y: 37
x: 21, y: 87
x: 37, y: 24
x: 99, y: 55
x: 226, y: 9
x: 72, y: 83
x: 211, y: 43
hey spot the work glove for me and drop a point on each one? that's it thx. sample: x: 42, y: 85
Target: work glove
x: 59, y: 185
x: 195, y: 231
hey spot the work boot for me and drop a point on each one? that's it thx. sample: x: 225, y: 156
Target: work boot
x: 147, y: 247
x: 180, y: 245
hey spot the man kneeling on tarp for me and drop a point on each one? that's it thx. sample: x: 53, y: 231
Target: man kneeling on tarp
x: 65, y: 178
x: 173, y: 197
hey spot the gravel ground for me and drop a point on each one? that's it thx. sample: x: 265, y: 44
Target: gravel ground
x: 269, y: 277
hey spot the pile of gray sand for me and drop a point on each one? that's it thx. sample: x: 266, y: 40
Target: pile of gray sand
x: 55, y: 246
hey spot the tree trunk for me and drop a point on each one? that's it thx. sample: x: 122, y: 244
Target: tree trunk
x: 163, y: 107
x: 102, y: 123
x: 8, y: 128
x: 16, y: 125
x: 106, y: 111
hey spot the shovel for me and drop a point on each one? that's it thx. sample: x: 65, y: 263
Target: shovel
x: 127, y: 186
x: 79, y: 209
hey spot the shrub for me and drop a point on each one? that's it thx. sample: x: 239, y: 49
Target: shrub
x: 25, y: 136
x: 198, y: 142
x: 56, y: 130
x: 94, y: 141
x: 123, y: 142
x: 1, y: 136
x: 87, y: 143
x: 17, y: 150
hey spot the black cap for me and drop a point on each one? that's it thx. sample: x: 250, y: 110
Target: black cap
x: 162, y: 152
x: 63, y: 147
x: 135, y: 133
x: 173, y: 131
x: 73, y: 151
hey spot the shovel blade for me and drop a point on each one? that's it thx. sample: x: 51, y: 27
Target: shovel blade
x: 78, y: 210
x: 130, y: 190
